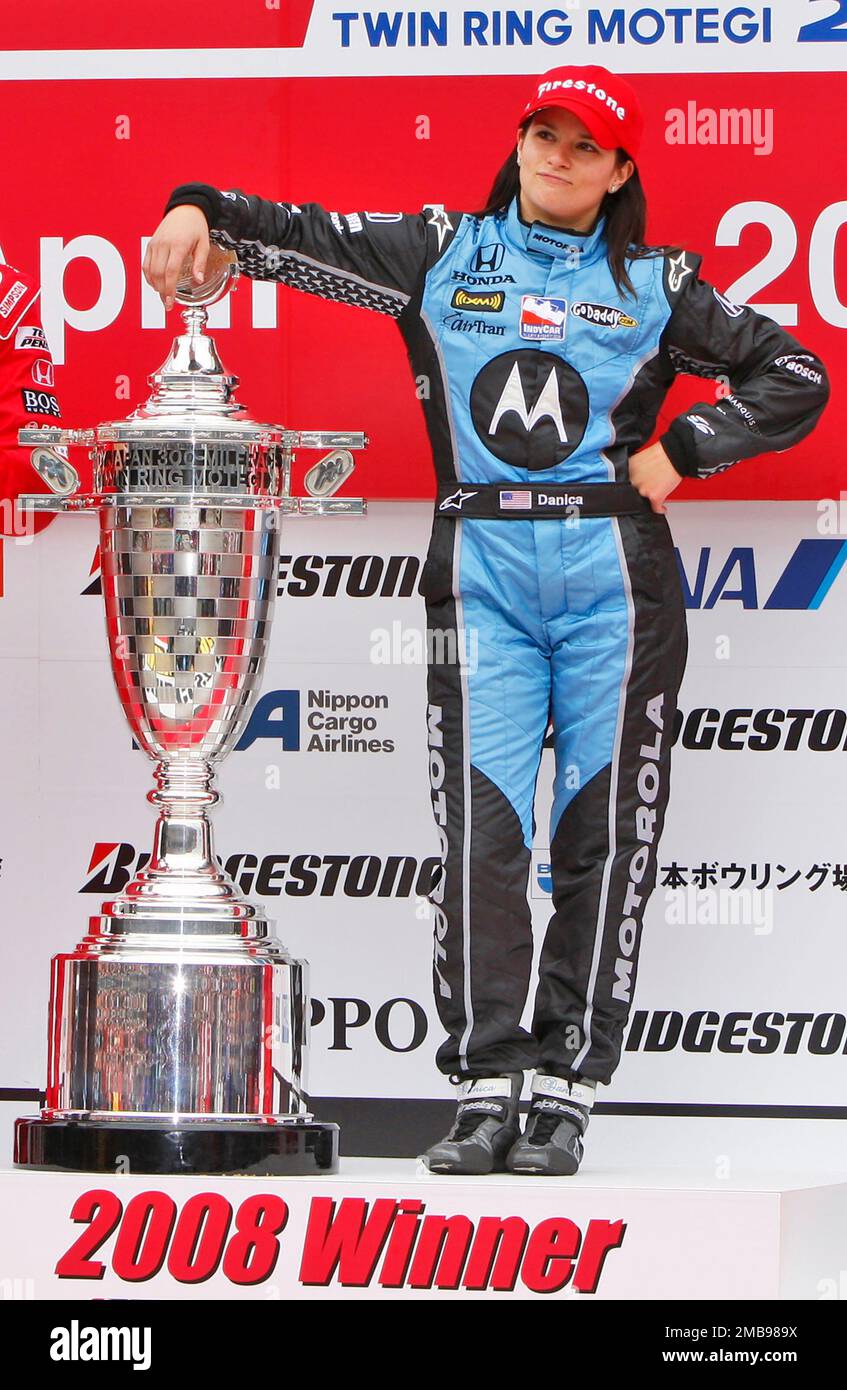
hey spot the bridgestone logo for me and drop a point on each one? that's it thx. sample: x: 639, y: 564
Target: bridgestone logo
x: 648, y: 783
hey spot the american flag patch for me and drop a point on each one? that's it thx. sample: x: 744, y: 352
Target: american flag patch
x: 516, y: 501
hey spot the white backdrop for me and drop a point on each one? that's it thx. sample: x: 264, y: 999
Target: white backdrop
x: 74, y: 811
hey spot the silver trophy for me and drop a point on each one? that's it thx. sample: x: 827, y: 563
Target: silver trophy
x: 178, y: 1027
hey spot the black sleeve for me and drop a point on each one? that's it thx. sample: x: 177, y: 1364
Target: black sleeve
x: 371, y: 259
x: 776, y: 388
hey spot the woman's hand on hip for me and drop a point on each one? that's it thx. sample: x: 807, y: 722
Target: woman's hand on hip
x: 653, y: 475
x: 182, y: 235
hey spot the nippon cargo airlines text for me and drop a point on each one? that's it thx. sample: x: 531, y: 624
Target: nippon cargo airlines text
x: 597, y: 25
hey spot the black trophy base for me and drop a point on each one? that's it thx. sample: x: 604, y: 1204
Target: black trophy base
x: 298, y: 1148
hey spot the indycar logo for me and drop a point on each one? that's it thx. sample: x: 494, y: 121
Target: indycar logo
x: 604, y: 314
x: 485, y: 303
x: 543, y: 320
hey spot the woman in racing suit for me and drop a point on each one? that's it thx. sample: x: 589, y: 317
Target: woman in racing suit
x: 549, y: 335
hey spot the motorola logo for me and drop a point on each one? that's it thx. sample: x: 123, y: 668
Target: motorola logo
x: 529, y: 408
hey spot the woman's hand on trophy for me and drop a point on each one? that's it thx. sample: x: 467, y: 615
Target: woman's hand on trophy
x: 179, y: 247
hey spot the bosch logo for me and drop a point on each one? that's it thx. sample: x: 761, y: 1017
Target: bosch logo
x: 795, y: 363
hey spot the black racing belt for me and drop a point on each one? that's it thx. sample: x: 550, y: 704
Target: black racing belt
x: 536, y: 501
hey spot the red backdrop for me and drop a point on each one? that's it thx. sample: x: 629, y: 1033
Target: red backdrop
x: 351, y: 144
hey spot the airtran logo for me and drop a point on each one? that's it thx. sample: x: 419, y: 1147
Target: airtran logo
x: 718, y: 577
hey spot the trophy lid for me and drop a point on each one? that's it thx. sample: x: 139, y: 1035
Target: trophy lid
x: 193, y: 394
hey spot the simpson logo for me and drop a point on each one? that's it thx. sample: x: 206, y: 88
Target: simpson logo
x: 794, y: 362
x: 9, y: 301
x: 603, y: 314
x: 42, y: 372
x: 490, y: 303
x: 31, y: 338
x: 543, y: 320
x: 40, y: 403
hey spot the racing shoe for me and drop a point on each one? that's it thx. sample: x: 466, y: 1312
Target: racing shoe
x: 485, y: 1128
x: 558, y: 1118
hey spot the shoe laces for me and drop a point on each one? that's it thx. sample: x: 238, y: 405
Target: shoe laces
x: 544, y: 1128
x: 468, y: 1123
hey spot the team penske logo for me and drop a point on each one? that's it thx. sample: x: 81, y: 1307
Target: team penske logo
x: 603, y: 314
x: 483, y: 302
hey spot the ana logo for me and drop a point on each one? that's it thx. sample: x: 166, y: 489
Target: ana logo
x: 603, y: 314
x: 803, y: 584
x: 543, y: 320
x: 484, y: 303
x: 487, y: 258
x: 529, y: 408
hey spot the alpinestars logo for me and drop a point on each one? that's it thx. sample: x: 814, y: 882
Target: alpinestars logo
x: 440, y: 221
x: 678, y: 268
x: 456, y: 500
x: 529, y: 408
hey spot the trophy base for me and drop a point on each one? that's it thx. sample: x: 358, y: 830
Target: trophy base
x: 295, y: 1148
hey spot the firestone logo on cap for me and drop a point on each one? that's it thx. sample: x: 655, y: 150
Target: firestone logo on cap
x: 606, y: 102
x: 579, y: 85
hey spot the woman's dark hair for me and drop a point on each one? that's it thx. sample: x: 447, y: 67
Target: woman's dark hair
x: 625, y: 213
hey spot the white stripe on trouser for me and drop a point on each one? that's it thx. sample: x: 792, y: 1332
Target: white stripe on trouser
x: 466, y: 798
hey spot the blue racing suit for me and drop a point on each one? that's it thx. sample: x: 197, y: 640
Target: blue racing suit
x: 551, y: 586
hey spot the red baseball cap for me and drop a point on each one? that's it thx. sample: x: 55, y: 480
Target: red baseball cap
x: 605, y: 102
